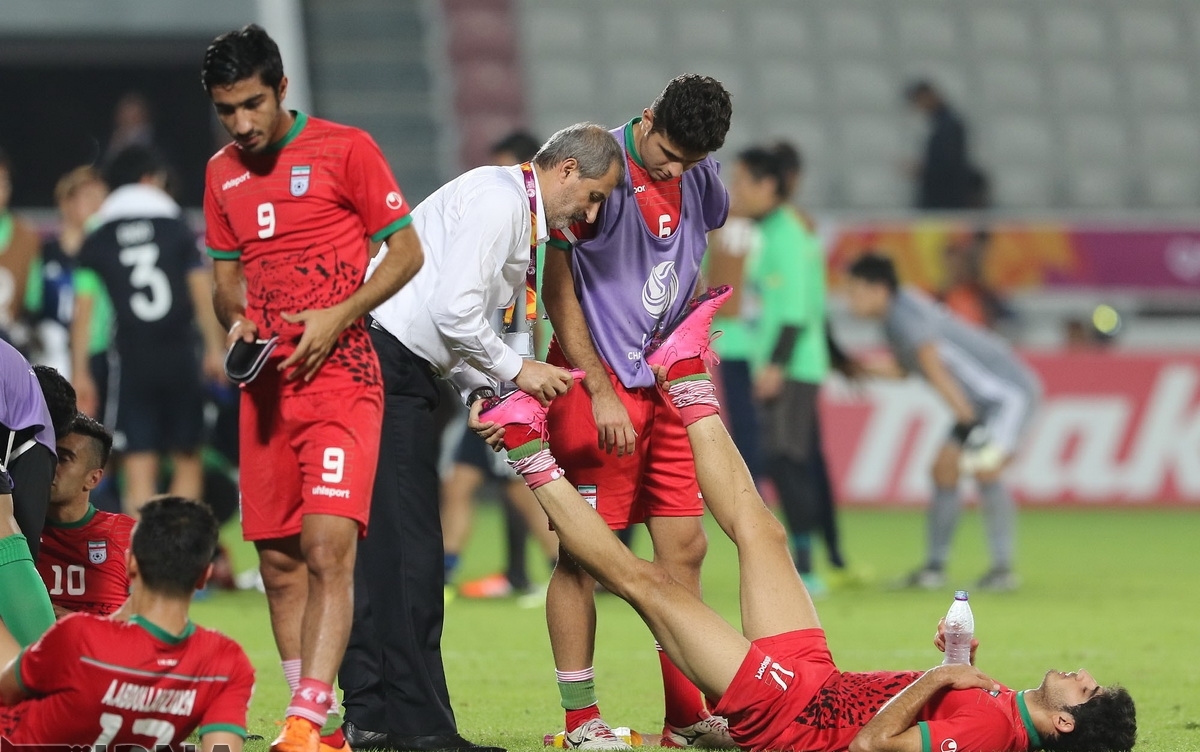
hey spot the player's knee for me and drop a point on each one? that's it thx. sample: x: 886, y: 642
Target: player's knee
x: 327, y: 557
x: 567, y: 568
x: 686, y: 551
x: 945, y: 469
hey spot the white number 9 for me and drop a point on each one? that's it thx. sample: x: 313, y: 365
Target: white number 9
x: 266, y: 220
x: 334, y: 462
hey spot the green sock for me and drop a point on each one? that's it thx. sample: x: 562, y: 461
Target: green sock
x: 577, y: 695
x: 532, y: 446
x: 24, y: 603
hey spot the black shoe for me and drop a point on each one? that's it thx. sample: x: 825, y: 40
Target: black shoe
x: 443, y: 742
x: 361, y: 739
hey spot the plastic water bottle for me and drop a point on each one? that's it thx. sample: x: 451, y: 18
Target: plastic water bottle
x: 960, y: 630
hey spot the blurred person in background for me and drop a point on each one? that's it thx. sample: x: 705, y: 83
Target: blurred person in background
x: 790, y: 355
x: 82, y: 560
x: 133, y: 124
x: 19, y: 245
x: 474, y: 464
x: 144, y: 254
x: 50, y: 297
x: 944, y: 176
x: 966, y: 292
x: 991, y: 393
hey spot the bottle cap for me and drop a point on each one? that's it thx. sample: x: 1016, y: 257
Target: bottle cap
x: 960, y: 595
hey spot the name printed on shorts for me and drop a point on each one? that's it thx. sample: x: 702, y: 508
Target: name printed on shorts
x: 334, y: 493
x: 143, y: 699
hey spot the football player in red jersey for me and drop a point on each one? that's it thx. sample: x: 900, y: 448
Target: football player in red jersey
x: 294, y: 208
x: 150, y: 678
x: 775, y: 679
x: 83, y: 549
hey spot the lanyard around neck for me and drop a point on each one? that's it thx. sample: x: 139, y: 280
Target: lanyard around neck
x: 531, y: 280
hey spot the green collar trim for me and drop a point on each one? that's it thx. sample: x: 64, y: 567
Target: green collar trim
x: 630, y: 145
x: 6, y: 231
x: 85, y: 519
x: 1035, y: 739
x: 290, y: 136
x: 161, y: 634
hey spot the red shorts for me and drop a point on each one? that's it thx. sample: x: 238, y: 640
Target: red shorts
x: 657, y: 480
x: 777, y: 680
x: 306, y: 454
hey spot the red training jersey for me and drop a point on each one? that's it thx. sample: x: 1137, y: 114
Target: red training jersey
x: 83, y: 563
x: 300, y: 217
x: 94, y: 681
x: 660, y: 201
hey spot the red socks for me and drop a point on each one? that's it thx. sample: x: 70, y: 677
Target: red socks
x: 310, y: 701
x: 685, y: 704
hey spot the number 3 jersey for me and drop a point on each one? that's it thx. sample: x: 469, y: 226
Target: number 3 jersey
x: 300, y: 217
x: 142, y: 252
x: 83, y: 563
x: 93, y: 681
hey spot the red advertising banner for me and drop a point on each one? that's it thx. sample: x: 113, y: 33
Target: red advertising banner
x: 1113, y: 428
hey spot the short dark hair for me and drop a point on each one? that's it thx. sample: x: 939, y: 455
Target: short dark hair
x: 792, y: 160
x: 101, y: 438
x: 240, y: 54
x: 918, y: 87
x: 694, y: 111
x: 1105, y: 723
x: 60, y: 398
x: 131, y: 164
x: 764, y: 164
x: 876, y: 268
x: 522, y: 144
x: 174, y: 542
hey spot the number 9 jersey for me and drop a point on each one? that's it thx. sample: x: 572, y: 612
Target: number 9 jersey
x: 300, y: 217
x: 95, y: 681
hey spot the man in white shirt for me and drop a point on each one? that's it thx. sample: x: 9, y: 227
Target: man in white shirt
x: 478, y: 232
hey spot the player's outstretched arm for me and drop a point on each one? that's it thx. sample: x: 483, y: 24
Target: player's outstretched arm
x: 323, y: 326
x: 221, y: 741
x: 894, y: 728
x: 940, y: 379
x: 614, y: 429
x: 200, y: 285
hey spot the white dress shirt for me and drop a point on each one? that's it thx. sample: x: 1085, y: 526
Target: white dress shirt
x: 475, y: 234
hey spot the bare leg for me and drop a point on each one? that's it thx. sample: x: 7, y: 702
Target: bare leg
x: 329, y: 544
x: 571, y: 610
x: 285, y: 578
x: 188, y: 478
x: 526, y: 503
x: 141, y: 480
x: 704, y: 646
x: 458, y: 491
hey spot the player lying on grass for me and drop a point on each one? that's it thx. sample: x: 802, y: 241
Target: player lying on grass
x: 777, y: 681
x: 147, y: 676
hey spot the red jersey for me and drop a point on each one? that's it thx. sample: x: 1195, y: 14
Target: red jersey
x: 94, y: 681
x: 300, y: 217
x: 83, y: 563
x: 660, y: 201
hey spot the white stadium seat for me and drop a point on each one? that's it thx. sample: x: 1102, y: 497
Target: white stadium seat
x: 709, y: 30
x: 631, y: 29
x: 1010, y: 82
x: 779, y: 31
x: 805, y: 131
x: 854, y: 28
x: 1024, y: 186
x: 1149, y: 30
x: 1018, y: 138
x: 1001, y: 28
x: 1092, y: 138
x: 1097, y: 187
x: 788, y: 84
x: 864, y: 85
x: 869, y: 139
x: 1084, y: 84
x: 1073, y: 27
x: 556, y: 28
x: 1173, y: 188
x: 876, y: 187
x: 928, y: 29
x: 1160, y: 85
x: 1170, y: 140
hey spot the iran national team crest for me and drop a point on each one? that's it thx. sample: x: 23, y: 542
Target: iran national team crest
x: 98, y: 551
x: 300, y: 175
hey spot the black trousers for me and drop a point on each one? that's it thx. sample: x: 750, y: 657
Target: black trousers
x: 392, y: 675
x: 32, y: 473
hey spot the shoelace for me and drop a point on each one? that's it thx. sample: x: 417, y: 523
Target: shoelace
x: 599, y: 729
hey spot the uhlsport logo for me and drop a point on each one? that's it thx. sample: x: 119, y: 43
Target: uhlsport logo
x: 949, y: 746
x: 333, y: 493
x: 300, y: 176
x: 661, y: 288
x: 98, y: 551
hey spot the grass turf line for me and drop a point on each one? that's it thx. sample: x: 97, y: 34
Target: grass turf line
x: 1116, y: 592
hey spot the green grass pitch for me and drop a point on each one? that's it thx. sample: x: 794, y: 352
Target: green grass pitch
x: 1115, y: 591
